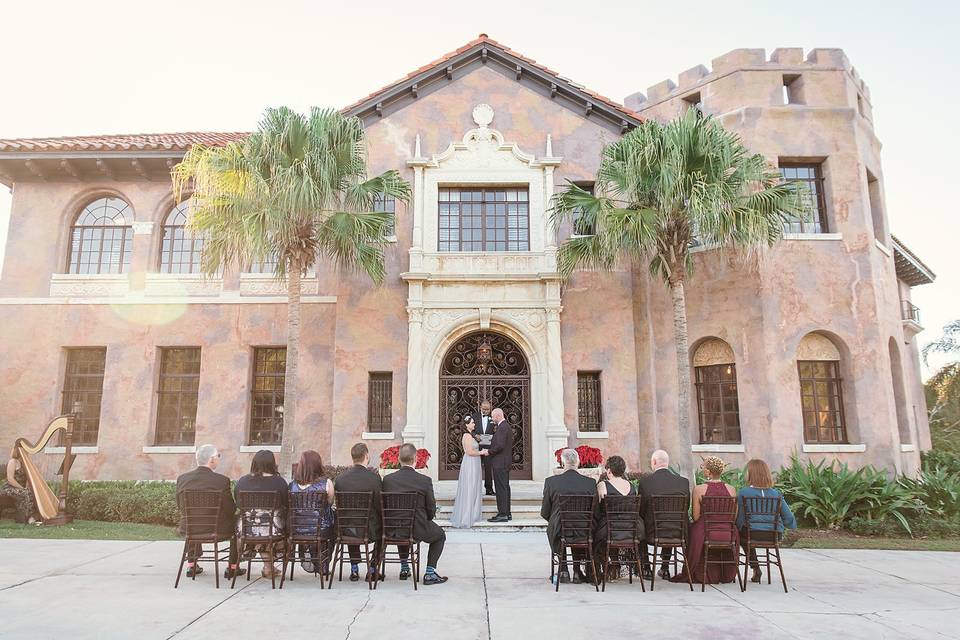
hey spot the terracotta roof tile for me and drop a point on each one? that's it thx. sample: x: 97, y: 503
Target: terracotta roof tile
x: 131, y: 142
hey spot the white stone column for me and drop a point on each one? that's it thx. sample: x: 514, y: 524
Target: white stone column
x: 413, y: 430
x: 557, y: 434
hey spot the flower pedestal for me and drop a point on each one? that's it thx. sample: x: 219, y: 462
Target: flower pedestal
x: 590, y: 472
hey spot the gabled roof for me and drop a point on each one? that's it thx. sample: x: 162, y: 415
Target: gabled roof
x: 909, y: 267
x: 482, y: 51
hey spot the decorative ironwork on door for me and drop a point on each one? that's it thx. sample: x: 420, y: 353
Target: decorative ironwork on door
x: 484, y: 366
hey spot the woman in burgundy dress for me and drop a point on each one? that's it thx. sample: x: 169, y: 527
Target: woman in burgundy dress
x: 714, y: 486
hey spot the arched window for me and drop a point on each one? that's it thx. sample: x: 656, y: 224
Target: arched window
x: 180, y: 249
x: 717, y: 404
x: 821, y: 391
x: 101, y: 238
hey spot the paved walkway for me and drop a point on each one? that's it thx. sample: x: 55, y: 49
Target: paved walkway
x: 497, y: 589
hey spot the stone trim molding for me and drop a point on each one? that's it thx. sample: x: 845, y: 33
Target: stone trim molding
x: 129, y: 299
x: 142, y: 228
x: 718, y: 448
x: 592, y: 435
x: 69, y: 285
x: 883, y: 248
x: 713, y: 351
x: 79, y: 450
x: 369, y: 435
x: 171, y: 449
x: 253, y: 448
x: 908, y: 448
x: 834, y: 448
x: 265, y: 284
x: 182, y: 284
x: 814, y: 346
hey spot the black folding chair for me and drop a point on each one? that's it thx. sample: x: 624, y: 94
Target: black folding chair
x: 201, y: 516
x: 670, y: 524
x: 259, y: 513
x: 576, y: 534
x: 624, y: 536
x: 306, y: 540
x: 354, y: 510
x: 398, y: 515
x: 719, y: 515
x: 767, y: 511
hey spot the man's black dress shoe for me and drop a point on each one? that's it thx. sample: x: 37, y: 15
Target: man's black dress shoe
x: 564, y: 577
x: 509, y: 517
x: 664, y: 572
x: 490, y: 493
x: 578, y: 577
x: 229, y: 573
x: 499, y: 518
x: 354, y: 576
x: 195, y: 570
x: 433, y: 578
x: 404, y: 574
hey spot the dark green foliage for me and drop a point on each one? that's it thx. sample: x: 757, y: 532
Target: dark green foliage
x: 731, y: 475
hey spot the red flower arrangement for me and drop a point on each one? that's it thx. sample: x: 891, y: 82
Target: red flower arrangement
x: 390, y: 458
x: 590, y: 457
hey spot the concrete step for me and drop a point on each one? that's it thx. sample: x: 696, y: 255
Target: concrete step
x: 519, y: 511
x: 522, y: 524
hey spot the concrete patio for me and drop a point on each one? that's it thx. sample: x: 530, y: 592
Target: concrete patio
x: 498, y: 589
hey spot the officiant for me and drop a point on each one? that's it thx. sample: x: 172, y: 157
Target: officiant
x: 484, y: 434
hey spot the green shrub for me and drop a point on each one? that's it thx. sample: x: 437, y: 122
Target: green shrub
x: 939, y: 490
x: 936, y: 459
x: 731, y: 475
x: 124, y: 501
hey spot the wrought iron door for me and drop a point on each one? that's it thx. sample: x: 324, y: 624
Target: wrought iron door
x: 484, y: 365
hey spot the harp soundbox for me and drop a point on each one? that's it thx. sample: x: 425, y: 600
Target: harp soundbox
x: 52, y: 508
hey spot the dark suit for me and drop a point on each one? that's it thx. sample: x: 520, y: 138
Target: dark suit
x: 570, y: 482
x: 501, y: 457
x: 358, y: 479
x: 484, y: 460
x: 206, y: 479
x: 407, y: 480
x: 662, y: 482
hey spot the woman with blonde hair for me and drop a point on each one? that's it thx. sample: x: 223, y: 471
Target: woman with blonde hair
x: 693, y: 556
x: 758, y: 483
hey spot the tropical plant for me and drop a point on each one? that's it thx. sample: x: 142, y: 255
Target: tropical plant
x: 293, y: 190
x: 662, y: 188
x: 943, y: 391
x: 733, y: 476
x: 938, y: 489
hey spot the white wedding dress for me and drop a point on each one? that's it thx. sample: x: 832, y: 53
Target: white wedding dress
x: 467, y: 504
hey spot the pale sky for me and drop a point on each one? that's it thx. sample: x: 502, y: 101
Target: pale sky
x: 74, y: 68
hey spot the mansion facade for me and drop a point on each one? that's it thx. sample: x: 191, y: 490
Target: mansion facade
x: 808, y: 348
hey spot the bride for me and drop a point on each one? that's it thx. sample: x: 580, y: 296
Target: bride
x: 466, y: 506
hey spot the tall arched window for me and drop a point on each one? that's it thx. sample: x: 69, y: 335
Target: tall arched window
x: 717, y: 403
x: 821, y: 391
x: 180, y: 249
x: 101, y: 238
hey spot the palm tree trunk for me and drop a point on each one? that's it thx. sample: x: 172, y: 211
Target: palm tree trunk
x: 291, y: 435
x: 684, y: 457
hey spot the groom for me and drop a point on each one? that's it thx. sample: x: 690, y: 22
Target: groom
x: 501, y: 457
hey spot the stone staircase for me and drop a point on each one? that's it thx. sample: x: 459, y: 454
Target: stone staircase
x: 525, y: 507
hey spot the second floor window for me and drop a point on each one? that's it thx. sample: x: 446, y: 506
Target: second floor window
x: 101, y: 239
x: 180, y: 250
x: 810, y: 175
x: 380, y: 402
x: 387, y: 204
x: 266, y: 401
x: 484, y: 219
x: 178, y: 392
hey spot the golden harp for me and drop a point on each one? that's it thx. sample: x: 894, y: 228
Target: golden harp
x: 52, y: 508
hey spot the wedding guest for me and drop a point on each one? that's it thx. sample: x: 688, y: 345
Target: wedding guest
x: 408, y: 480
x: 570, y: 482
x: 484, y: 425
x: 264, y: 477
x: 612, y: 483
x: 205, y: 478
x: 359, y: 478
x: 693, y: 558
x: 309, y: 478
x: 758, y: 483
x: 662, y: 482
x: 15, y: 487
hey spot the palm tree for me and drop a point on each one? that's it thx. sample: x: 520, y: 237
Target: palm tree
x: 943, y: 390
x: 661, y: 189
x: 292, y: 191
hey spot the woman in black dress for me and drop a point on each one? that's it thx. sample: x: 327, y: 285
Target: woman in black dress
x: 264, y: 476
x: 612, y: 483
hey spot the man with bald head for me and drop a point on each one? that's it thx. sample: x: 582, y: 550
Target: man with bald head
x: 662, y: 482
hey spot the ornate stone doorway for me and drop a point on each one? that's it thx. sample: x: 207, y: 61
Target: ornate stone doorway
x: 484, y: 365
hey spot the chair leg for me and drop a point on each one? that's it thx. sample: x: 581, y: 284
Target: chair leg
x: 183, y: 559
x: 636, y: 555
x: 780, y: 566
x: 604, y: 568
x: 703, y: 569
x: 371, y: 580
x: 216, y: 564
x: 685, y: 564
x: 736, y: 556
x: 653, y: 566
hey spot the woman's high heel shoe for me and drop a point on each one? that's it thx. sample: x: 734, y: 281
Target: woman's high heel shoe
x: 757, y: 574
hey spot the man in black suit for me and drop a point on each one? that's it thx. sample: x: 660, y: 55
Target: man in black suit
x: 204, y: 478
x: 407, y: 480
x: 570, y: 482
x: 501, y: 457
x: 359, y: 478
x: 484, y: 432
x: 662, y: 482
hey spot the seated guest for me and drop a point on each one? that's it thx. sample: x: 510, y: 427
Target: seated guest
x: 15, y: 487
x: 407, y: 480
x: 662, y: 482
x: 714, y: 486
x: 613, y: 483
x: 264, y: 476
x: 567, y: 483
x: 204, y: 478
x: 309, y: 478
x: 758, y: 483
x: 359, y: 478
